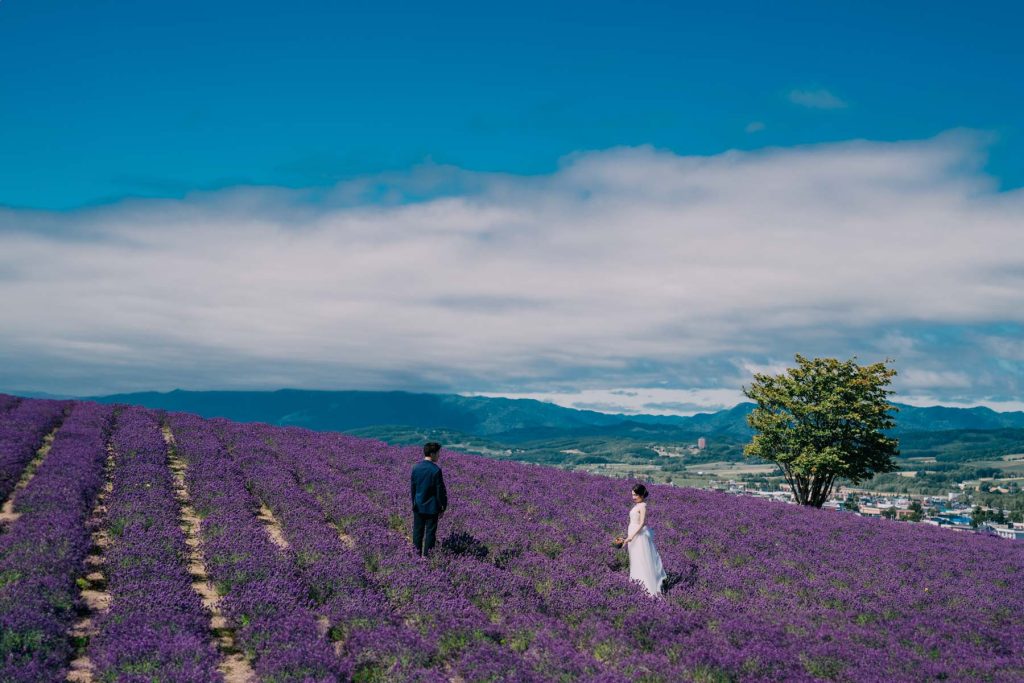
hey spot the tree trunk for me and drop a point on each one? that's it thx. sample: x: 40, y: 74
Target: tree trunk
x: 822, y: 489
x: 791, y: 480
x: 801, y: 487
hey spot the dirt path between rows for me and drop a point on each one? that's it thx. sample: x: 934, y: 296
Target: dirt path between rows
x: 234, y: 665
x: 7, y: 513
x: 94, y: 586
x: 273, y: 527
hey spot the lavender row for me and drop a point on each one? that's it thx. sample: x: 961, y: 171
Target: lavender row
x: 21, y: 434
x: 7, y: 402
x: 377, y: 634
x: 864, y: 597
x: 832, y: 595
x: 743, y: 612
x: 156, y: 626
x: 481, y: 622
x: 718, y: 624
x: 525, y: 585
x: 789, y: 589
x: 466, y: 626
x: 556, y: 534
x: 44, y: 551
x: 373, y: 640
x: 588, y: 606
x: 264, y: 598
x: 524, y: 610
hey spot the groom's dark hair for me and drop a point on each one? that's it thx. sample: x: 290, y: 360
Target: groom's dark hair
x: 431, y: 449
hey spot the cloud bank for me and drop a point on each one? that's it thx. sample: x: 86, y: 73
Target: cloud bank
x: 629, y: 267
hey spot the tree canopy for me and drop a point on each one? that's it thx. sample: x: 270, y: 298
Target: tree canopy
x: 823, y: 420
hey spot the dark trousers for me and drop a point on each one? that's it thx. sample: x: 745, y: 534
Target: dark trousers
x: 424, y: 532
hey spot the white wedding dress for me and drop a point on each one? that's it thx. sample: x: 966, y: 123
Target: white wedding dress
x: 644, y: 560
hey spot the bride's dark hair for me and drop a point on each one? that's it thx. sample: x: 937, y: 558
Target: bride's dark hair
x: 640, y: 490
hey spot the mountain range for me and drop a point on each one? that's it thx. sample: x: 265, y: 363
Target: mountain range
x: 502, y: 419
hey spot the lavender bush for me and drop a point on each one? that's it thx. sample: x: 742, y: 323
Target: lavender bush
x: 525, y: 584
x: 156, y: 628
x: 22, y: 429
x: 386, y: 628
x: 460, y: 607
x: 45, y: 549
x: 7, y: 402
x: 264, y: 597
x: 778, y: 591
x: 771, y: 591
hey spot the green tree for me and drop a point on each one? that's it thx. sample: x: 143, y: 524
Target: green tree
x: 916, y: 511
x: 978, y: 516
x: 822, y: 420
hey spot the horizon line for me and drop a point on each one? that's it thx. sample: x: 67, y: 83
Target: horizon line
x: 1017, y: 407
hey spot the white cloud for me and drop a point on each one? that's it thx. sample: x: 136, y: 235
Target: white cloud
x: 636, y: 401
x: 816, y: 99
x: 1009, y: 348
x: 899, y: 344
x: 776, y: 367
x: 916, y: 378
x: 626, y: 267
x: 754, y: 127
x: 927, y: 400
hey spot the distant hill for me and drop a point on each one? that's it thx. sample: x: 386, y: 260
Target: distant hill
x: 348, y: 410
x: 513, y: 420
x: 941, y: 418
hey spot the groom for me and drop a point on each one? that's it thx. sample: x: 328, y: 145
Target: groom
x: 429, y: 498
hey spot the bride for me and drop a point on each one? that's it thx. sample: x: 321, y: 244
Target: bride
x: 644, y: 561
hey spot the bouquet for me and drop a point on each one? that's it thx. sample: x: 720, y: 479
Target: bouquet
x: 618, y: 542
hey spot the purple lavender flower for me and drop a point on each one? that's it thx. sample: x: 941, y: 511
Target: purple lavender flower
x: 156, y: 624
x: 44, y: 551
x: 524, y: 584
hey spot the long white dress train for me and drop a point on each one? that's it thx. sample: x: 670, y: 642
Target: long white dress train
x: 644, y: 560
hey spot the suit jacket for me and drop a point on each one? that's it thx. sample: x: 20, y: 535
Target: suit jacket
x: 429, y: 496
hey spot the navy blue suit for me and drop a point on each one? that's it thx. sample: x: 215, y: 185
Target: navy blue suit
x: 429, y: 501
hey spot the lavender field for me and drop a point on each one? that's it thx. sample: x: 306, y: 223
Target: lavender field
x: 146, y: 546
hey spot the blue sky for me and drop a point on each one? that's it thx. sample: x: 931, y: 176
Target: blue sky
x: 266, y: 130
x: 104, y: 100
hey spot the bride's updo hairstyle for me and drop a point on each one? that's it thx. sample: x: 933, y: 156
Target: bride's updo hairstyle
x: 641, y: 491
